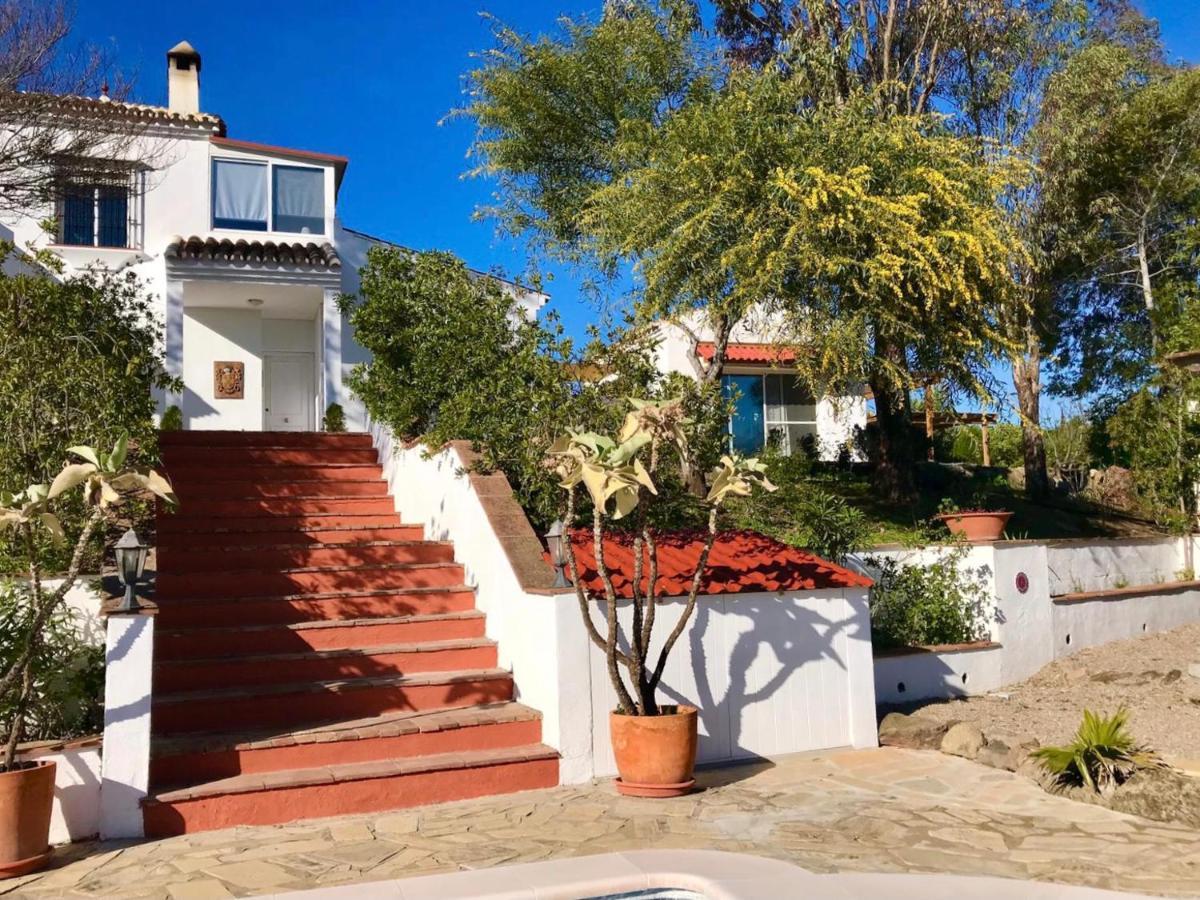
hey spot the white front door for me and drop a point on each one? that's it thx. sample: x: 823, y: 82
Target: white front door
x: 289, y: 391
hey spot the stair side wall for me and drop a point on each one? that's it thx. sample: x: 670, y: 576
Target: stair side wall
x: 539, y: 632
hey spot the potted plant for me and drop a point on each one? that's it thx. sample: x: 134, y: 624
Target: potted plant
x: 974, y: 524
x: 654, y: 744
x: 27, y: 788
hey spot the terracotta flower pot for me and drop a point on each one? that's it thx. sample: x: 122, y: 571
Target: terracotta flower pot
x: 26, y: 798
x: 978, y: 525
x: 655, y: 754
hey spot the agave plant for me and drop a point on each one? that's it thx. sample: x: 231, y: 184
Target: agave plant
x: 106, y: 482
x: 1103, y: 755
x: 618, y: 475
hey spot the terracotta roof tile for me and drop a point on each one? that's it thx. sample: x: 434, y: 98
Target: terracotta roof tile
x: 740, y: 562
x: 295, y: 253
x: 141, y: 112
x: 748, y: 353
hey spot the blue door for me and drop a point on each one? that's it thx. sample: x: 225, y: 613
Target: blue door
x: 746, y: 427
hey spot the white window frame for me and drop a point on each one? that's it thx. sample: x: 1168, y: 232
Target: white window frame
x: 767, y: 423
x: 269, y: 165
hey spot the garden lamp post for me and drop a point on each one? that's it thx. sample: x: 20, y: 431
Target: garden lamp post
x: 131, y: 562
x: 558, y: 556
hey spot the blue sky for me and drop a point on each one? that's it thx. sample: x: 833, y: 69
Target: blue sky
x: 372, y: 81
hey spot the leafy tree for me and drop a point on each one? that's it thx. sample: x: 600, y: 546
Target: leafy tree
x: 77, y: 357
x: 985, y: 65
x: 731, y: 188
x: 1126, y: 149
x: 453, y: 360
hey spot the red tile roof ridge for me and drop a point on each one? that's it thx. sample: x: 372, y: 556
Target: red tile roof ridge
x: 741, y: 561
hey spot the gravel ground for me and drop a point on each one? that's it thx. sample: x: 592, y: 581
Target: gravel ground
x: 1146, y: 675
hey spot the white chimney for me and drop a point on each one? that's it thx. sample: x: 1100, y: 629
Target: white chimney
x: 183, y: 79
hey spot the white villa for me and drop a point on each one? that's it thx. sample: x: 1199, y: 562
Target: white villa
x: 242, y: 244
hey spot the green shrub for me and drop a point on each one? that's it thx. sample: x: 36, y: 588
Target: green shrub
x: 68, y: 672
x: 801, y: 512
x: 172, y: 419
x: 453, y: 360
x: 79, y: 361
x: 1103, y: 755
x: 938, y: 603
x: 335, y: 419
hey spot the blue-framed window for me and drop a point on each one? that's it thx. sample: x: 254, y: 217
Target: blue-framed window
x: 771, y: 408
x: 298, y: 199
x: 96, y: 213
x: 239, y: 195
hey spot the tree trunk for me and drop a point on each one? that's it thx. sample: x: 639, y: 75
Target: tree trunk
x: 894, y: 476
x: 1147, y: 286
x: 1027, y: 380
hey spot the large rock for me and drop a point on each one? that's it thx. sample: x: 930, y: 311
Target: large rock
x: 1006, y: 752
x: 964, y: 739
x: 1165, y: 795
x: 914, y: 732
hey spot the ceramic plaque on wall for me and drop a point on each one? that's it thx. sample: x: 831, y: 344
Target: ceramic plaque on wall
x: 229, y: 380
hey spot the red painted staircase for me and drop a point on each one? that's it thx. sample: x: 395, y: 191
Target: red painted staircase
x: 314, y: 656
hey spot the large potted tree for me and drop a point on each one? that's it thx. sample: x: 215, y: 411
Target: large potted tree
x: 654, y: 744
x: 27, y: 788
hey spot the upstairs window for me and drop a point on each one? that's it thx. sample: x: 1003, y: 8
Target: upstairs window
x: 299, y: 200
x: 769, y: 409
x: 244, y: 192
x: 239, y: 195
x: 96, y: 207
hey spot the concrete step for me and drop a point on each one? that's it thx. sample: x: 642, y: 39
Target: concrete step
x: 171, y: 527
x: 231, y: 458
x: 240, y: 439
x: 341, y: 606
x: 187, y: 491
x: 180, y: 559
x: 315, y: 580
x: 172, y: 644
x: 273, y: 667
x: 213, y: 511
x: 194, y: 759
x: 349, y: 788
x: 227, y: 539
x: 290, y: 705
x: 259, y: 473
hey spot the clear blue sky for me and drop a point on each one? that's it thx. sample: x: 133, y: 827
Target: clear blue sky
x: 371, y: 79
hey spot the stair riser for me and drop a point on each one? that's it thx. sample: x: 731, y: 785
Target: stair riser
x: 286, y: 611
x: 239, y: 439
x: 182, y: 560
x: 270, y: 807
x: 191, y: 491
x: 171, y: 677
x: 199, y: 767
x: 207, y: 510
x: 199, y: 645
x: 231, y: 458
x: 280, y: 584
x: 261, y: 474
x: 289, y: 710
x: 222, y: 527
x: 185, y: 542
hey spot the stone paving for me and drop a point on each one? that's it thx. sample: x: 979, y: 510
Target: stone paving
x: 887, y: 810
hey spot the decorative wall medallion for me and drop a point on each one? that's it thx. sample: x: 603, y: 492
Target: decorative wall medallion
x: 229, y: 380
x: 1022, y: 582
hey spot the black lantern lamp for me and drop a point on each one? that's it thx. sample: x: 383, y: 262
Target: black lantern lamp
x: 558, y: 553
x: 131, y: 562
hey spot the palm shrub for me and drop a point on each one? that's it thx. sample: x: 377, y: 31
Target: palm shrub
x: 618, y: 476
x: 102, y: 482
x: 1103, y: 755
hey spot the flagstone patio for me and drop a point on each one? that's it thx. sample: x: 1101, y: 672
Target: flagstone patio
x: 887, y: 810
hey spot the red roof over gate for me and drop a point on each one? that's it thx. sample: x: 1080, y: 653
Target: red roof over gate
x: 740, y: 562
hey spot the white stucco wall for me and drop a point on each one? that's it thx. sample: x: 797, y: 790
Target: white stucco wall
x: 1078, y: 566
x: 769, y: 673
x: 1032, y: 628
x: 540, y: 636
x: 76, y: 812
x: 211, y: 334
